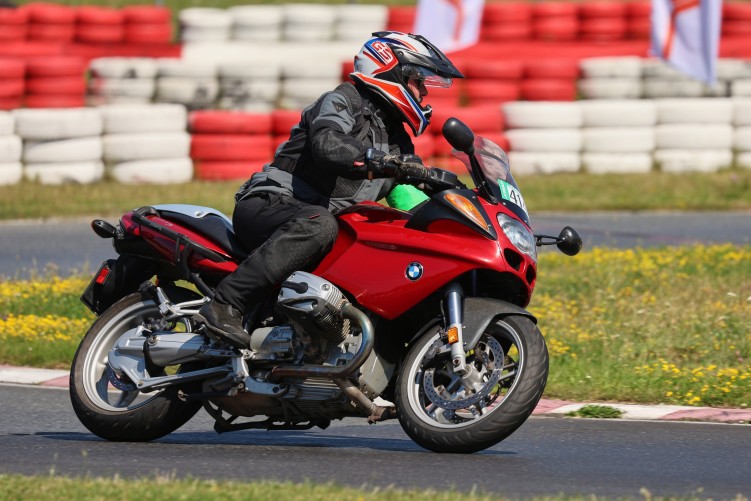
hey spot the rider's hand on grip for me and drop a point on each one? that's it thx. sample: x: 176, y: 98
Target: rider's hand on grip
x: 399, y: 166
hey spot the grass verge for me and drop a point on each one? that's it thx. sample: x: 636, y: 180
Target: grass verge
x: 644, y: 325
x: 727, y: 190
x: 596, y: 412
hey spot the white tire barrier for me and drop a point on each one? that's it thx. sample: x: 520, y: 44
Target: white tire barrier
x: 627, y: 113
x: 610, y: 88
x: 11, y: 149
x: 743, y: 160
x: 694, y: 137
x: 256, y: 70
x: 316, y: 69
x: 81, y: 149
x: 617, y: 163
x: 729, y: 69
x: 7, y: 123
x: 123, y: 67
x: 145, y: 146
x: 125, y: 119
x: 195, y: 93
x: 741, y: 88
x: 256, y: 22
x: 618, y: 139
x: 64, y: 173
x: 532, y: 115
x: 243, y: 94
x: 204, y: 24
x: 10, y: 173
x: 526, y: 163
x: 694, y: 111
x: 299, y: 93
x: 44, y: 124
x: 677, y: 161
x: 308, y: 22
x: 185, y: 68
x: 742, y: 141
x: 164, y: 171
x: 354, y: 20
x: 545, y: 140
x: 741, y: 111
x: 136, y: 88
x: 657, y: 68
x: 662, y: 88
x: 611, y: 67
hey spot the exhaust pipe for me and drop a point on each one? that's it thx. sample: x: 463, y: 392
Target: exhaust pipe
x: 340, y: 371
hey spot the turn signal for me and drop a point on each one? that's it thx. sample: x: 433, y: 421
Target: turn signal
x: 465, y: 207
x: 453, y: 334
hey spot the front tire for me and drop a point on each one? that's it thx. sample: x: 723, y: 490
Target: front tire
x: 443, y: 412
x: 123, y: 414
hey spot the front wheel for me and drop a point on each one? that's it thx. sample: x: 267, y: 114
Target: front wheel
x: 113, y: 408
x: 444, y: 412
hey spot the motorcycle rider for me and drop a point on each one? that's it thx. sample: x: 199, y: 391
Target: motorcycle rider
x: 349, y: 146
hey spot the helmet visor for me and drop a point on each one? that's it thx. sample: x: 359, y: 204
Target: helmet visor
x: 426, y: 76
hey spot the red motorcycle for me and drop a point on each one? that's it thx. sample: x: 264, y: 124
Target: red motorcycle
x: 424, y: 309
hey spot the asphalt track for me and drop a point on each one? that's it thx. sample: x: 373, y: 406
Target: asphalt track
x: 40, y: 434
x: 66, y: 246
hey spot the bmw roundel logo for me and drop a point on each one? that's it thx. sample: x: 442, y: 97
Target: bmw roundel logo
x: 414, y: 271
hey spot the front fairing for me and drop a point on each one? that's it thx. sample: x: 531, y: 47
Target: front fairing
x: 494, y: 166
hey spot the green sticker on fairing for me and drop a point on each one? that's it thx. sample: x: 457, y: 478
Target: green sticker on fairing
x: 510, y: 194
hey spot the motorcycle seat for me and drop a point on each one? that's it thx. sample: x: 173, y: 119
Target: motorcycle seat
x: 212, y: 226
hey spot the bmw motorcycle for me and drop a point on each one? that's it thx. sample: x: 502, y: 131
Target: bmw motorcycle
x: 417, y: 316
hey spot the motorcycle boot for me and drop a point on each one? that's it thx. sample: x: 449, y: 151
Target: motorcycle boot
x: 225, y: 322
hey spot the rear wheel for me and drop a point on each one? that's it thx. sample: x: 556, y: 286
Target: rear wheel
x: 109, y: 406
x: 444, y: 412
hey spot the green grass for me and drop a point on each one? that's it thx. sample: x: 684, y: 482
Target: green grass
x: 596, y: 412
x: 663, y: 325
x: 726, y: 190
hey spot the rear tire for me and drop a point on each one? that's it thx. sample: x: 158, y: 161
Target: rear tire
x: 424, y: 384
x: 118, y: 415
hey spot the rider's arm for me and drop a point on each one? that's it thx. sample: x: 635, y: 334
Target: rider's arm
x: 332, y: 144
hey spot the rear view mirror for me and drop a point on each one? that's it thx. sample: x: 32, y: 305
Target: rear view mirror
x: 459, y: 135
x: 569, y: 241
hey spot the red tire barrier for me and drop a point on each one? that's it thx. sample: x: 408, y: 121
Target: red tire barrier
x: 556, y: 28
x: 551, y: 68
x: 548, y: 90
x: 505, y: 32
x: 483, y: 118
x: 639, y: 28
x: 555, y: 9
x: 282, y: 122
x: 638, y: 9
x: 59, y: 66
x: 12, y: 68
x: 13, y: 17
x: 229, y: 122
x: 601, y: 9
x: 736, y: 28
x: 402, y: 16
x: 10, y: 103
x: 49, y: 13
x: 227, y: 170
x: 50, y: 101
x: 499, y: 69
x: 230, y: 147
x: 506, y: 13
x: 491, y: 91
x: 736, y: 11
x: 99, y: 15
x: 147, y: 33
x: 56, y: 85
x: 100, y: 33
x: 603, y: 29
x: 498, y: 138
x: 146, y: 14
x: 12, y: 32
x: 424, y: 146
x: 51, y: 32
x: 11, y: 88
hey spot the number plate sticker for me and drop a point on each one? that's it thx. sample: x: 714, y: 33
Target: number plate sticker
x: 513, y: 195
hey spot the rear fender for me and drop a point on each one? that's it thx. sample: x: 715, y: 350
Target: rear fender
x: 479, y: 312
x: 126, y: 274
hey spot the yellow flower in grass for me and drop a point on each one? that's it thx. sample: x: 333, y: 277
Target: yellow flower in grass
x: 50, y: 328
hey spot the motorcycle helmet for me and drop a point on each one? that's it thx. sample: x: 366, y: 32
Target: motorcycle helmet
x: 389, y: 59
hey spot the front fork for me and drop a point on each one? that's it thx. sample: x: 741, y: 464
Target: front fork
x: 454, y: 313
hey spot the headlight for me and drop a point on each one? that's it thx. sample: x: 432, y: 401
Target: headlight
x: 519, y: 235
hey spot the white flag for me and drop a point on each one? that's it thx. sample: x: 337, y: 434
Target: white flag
x: 449, y: 24
x: 686, y: 34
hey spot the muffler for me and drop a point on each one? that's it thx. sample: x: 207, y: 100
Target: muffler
x: 173, y: 348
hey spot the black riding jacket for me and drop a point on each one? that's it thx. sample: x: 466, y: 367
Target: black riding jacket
x: 317, y: 163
